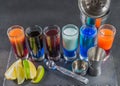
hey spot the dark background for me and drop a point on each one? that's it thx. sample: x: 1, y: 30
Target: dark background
x: 47, y: 12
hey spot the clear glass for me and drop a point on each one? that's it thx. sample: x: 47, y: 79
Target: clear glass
x: 88, y: 35
x: 52, y: 41
x: 106, y: 34
x: 17, y: 38
x: 70, y: 41
x: 35, y: 42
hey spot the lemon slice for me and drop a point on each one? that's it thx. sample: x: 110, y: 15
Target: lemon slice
x: 40, y: 74
x: 26, y: 69
x: 10, y: 74
x: 33, y: 71
x: 20, y: 72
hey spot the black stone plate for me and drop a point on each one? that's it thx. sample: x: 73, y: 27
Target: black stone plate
x: 56, y: 78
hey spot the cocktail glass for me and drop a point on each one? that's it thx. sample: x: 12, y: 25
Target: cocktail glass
x: 35, y: 41
x: 52, y: 41
x: 106, y: 34
x: 17, y: 39
x: 70, y: 41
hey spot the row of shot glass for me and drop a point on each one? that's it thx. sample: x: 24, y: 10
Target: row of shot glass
x: 36, y: 37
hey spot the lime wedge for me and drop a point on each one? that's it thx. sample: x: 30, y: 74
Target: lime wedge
x: 33, y: 71
x: 26, y: 69
x: 40, y: 74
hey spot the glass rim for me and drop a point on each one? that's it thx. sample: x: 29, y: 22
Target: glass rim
x: 14, y: 27
x: 47, y: 28
x: 35, y: 26
x: 71, y: 26
x: 112, y: 28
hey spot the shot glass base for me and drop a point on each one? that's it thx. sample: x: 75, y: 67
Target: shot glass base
x: 83, y: 58
x: 25, y: 57
x: 39, y: 59
x: 57, y: 58
x: 106, y: 58
x: 70, y: 58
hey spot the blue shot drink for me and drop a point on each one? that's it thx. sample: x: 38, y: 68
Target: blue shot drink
x: 88, y: 34
x: 34, y: 37
x: 70, y: 41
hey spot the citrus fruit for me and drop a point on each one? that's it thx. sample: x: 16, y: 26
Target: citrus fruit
x: 32, y: 69
x: 10, y: 74
x: 40, y: 74
x: 20, y: 72
x: 26, y: 69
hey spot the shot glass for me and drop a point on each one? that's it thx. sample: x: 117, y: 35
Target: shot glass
x: 34, y: 37
x: 17, y: 38
x: 52, y: 41
x: 95, y: 59
x: 80, y: 67
x: 106, y: 34
x: 70, y: 41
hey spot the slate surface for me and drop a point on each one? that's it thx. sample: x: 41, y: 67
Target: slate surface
x: 46, y: 12
x: 56, y: 78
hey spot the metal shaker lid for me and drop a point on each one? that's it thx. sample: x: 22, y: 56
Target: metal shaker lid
x: 94, y: 8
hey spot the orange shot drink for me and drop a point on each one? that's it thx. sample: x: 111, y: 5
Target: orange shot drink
x: 106, y: 35
x: 98, y: 22
x: 17, y: 38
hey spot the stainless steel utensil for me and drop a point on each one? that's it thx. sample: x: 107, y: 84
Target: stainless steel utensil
x: 95, y: 58
x: 80, y: 67
x: 94, y: 8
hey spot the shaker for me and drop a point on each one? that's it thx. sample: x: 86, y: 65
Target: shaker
x: 96, y: 9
